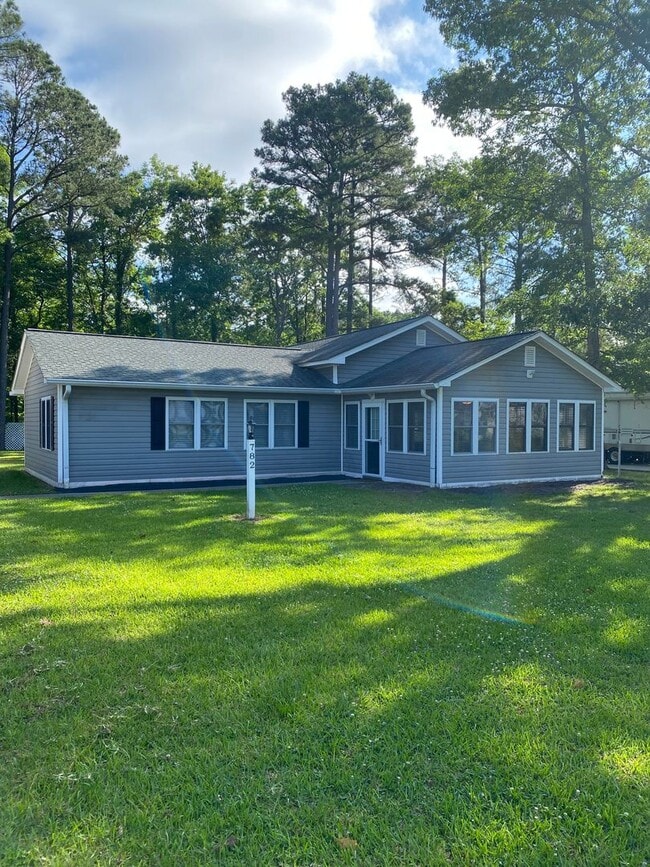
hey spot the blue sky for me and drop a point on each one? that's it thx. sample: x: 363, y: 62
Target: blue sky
x: 195, y: 79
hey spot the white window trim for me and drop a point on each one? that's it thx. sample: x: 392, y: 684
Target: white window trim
x: 529, y: 402
x: 405, y: 433
x: 358, y: 406
x: 197, y: 424
x: 271, y: 404
x: 420, y: 337
x: 576, y: 428
x: 475, y: 402
x: 46, y: 423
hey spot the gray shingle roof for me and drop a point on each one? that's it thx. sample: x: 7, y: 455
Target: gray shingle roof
x: 328, y: 347
x: 76, y: 357
x: 435, y: 363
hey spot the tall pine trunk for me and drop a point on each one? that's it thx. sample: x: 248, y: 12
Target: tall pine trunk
x: 482, y: 279
x: 349, y: 309
x: 331, y: 281
x: 587, y: 237
x: 371, y: 275
x: 69, y: 269
x: 518, y: 281
x: 4, y: 335
x: 6, y: 303
x: 443, y: 282
x: 120, y: 271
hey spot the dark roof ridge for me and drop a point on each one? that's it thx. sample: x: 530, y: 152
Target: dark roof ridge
x: 359, y: 330
x: 473, y: 342
x: 292, y: 348
x: 501, y: 336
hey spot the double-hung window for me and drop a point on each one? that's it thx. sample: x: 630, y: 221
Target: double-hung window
x: 193, y: 423
x: 351, y: 425
x: 46, y: 423
x: 475, y: 426
x: 527, y: 426
x: 406, y: 426
x: 576, y: 425
x: 275, y: 423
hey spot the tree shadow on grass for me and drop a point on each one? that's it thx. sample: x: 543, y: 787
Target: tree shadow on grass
x: 159, y: 730
x: 353, y: 685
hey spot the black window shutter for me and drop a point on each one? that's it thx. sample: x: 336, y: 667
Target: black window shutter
x: 157, y: 423
x: 303, y: 424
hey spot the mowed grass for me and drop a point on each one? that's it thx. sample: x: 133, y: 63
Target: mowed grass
x: 13, y: 478
x: 369, y: 674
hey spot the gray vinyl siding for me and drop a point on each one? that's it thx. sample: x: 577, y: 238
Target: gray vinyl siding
x: 110, y: 439
x: 395, y: 347
x: 505, y: 379
x: 397, y: 465
x: 37, y: 460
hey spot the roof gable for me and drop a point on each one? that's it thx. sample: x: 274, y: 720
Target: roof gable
x: 335, y: 350
x: 100, y: 359
x: 441, y: 365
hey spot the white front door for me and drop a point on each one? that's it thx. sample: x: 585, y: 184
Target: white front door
x: 373, y: 441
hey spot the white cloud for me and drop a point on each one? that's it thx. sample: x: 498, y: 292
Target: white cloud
x: 195, y: 80
x: 436, y: 139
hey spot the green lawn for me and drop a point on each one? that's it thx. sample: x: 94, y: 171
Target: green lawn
x: 370, y: 674
x: 14, y: 480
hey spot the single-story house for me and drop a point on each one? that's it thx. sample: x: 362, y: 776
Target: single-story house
x: 410, y: 401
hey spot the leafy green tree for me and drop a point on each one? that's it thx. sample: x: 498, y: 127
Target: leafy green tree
x: 533, y: 75
x: 282, y: 273
x: 43, y: 134
x: 454, y: 224
x: 196, y: 255
x: 337, y: 143
x: 125, y: 230
x: 91, y: 184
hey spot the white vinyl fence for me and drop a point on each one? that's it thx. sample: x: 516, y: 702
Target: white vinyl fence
x: 15, y: 436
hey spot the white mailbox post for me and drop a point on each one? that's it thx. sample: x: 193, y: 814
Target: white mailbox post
x: 250, y: 471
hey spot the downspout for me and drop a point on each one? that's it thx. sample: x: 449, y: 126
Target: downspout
x: 342, y: 430
x: 602, y: 434
x: 64, y: 435
x: 432, y: 455
x: 439, y: 407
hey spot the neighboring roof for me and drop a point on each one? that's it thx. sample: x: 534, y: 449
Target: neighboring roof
x: 73, y: 357
x: 438, y: 365
x: 433, y: 364
x: 334, y: 350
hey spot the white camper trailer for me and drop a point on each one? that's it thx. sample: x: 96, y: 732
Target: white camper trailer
x: 627, y: 427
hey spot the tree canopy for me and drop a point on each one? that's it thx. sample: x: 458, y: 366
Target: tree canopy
x: 546, y: 228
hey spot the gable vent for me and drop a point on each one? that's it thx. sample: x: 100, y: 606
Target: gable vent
x: 529, y: 356
x: 420, y: 337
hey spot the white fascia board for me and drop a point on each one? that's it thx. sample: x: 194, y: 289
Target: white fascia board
x: 23, y: 365
x: 185, y: 386
x: 388, y: 389
x: 443, y: 330
x: 556, y: 349
x: 618, y: 396
x: 577, y: 363
x: 487, y: 360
